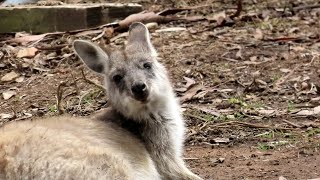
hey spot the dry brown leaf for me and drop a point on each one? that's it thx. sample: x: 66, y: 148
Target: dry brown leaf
x: 239, y: 54
x: 88, y: 32
x: 19, y: 79
x: 10, y: 76
x: 181, y: 90
x: 207, y: 110
x: 152, y: 26
x: 285, y: 70
x: 219, y: 17
x: 311, y: 112
x: 172, y: 29
x: 8, y: 94
x: 189, y: 81
x: 282, y: 178
x: 27, y: 52
x: 258, y: 34
x: 266, y: 112
x: 28, y: 38
x: 253, y: 58
x: 221, y: 140
x: 145, y: 17
x: 6, y: 116
x: 191, y: 93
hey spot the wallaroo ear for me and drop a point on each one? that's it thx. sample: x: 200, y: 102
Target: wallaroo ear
x: 92, y: 55
x: 139, y: 37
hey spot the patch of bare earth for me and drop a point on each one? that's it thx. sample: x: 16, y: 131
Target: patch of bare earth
x: 249, y: 86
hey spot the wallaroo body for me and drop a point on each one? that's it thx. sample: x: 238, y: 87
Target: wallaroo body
x: 140, y: 137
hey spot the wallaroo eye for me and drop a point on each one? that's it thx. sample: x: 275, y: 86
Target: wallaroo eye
x: 117, y: 78
x: 147, y: 65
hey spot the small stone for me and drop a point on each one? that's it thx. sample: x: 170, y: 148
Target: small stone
x: 9, y: 76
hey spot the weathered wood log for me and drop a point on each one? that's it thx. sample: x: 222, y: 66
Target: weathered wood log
x: 41, y: 19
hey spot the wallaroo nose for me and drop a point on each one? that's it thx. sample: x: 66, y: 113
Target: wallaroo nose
x: 139, y: 88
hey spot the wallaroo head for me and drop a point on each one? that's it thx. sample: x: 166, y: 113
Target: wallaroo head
x: 135, y: 80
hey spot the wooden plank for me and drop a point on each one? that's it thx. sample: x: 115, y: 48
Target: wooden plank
x: 41, y: 19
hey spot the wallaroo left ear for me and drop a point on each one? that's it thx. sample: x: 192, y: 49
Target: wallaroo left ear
x: 92, y: 55
x: 139, y: 37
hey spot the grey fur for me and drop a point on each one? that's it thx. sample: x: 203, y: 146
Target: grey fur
x: 156, y: 121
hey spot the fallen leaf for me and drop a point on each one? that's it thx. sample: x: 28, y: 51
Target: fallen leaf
x: 311, y: 112
x: 27, y: 52
x: 172, y: 29
x: 189, y: 83
x: 304, y: 86
x: 145, y: 17
x: 266, y: 112
x: 207, y: 109
x: 217, y: 160
x: 8, y: 94
x: 285, y: 70
x: 6, y: 116
x: 152, y: 26
x: 28, y: 38
x: 88, y: 32
x: 239, y: 54
x: 181, y: 90
x: 258, y: 34
x: 253, y: 58
x: 221, y: 140
x: 282, y: 178
x: 10, y: 76
x: 201, y: 95
x: 19, y: 79
x: 315, y: 100
x: 191, y: 93
x: 219, y: 17
x: 298, y: 49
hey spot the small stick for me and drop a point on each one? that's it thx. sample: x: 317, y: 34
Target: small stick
x: 284, y: 78
x: 90, y: 81
x: 239, y: 9
x: 194, y: 116
x: 291, y: 123
x: 59, y: 97
x: 306, y: 7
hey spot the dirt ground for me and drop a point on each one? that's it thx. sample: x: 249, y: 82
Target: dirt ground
x: 249, y: 85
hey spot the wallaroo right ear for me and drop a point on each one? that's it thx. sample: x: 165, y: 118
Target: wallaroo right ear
x: 139, y: 37
x: 92, y: 55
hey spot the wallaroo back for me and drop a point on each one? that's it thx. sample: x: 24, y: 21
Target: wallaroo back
x: 139, y: 137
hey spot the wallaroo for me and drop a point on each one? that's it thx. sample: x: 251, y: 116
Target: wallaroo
x: 140, y: 137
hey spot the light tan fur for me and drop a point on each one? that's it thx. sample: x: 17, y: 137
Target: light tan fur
x: 72, y: 148
x: 139, y: 138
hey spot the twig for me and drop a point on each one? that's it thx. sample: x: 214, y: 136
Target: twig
x: 284, y: 78
x: 59, y: 97
x: 75, y: 83
x: 193, y: 132
x: 258, y: 126
x: 90, y: 81
x: 176, y: 10
x: 291, y: 123
x: 52, y: 48
x: 229, y: 59
x: 306, y: 7
x: 194, y: 116
x: 239, y: 9
x: 191, y: 158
